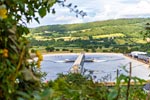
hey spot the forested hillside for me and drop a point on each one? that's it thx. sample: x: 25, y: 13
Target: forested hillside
x: 109, y: 35
x: 82, y: 26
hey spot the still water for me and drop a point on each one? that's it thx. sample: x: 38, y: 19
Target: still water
x: 104, y: 66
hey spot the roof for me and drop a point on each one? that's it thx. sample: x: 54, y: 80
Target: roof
x: 138, y: 52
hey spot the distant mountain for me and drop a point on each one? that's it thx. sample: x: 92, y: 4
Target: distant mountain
x: 76, y: 27
x: 130, y: 29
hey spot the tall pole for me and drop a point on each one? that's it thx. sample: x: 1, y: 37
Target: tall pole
x: 128, y: 86
x: 149, y: 62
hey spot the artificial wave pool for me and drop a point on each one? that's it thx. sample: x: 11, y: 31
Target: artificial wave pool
x: 104, y: 66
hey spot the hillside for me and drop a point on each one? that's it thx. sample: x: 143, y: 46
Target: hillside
x: 120, y: 31
x: 82, y: 26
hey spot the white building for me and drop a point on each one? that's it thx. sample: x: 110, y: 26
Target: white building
x: 136, y: 53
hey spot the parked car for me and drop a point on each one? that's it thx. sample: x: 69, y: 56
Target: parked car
x: 144, y: 57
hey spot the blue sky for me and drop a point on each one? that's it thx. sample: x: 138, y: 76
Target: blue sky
x: 97, y: 10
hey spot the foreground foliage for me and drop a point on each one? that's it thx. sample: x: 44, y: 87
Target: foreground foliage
x: 78, y: 87
x: 19, y: 78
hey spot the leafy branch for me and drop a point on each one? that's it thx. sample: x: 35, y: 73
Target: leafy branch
x: 73, y: 8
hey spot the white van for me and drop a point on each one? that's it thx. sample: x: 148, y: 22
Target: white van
x: 136, y: 53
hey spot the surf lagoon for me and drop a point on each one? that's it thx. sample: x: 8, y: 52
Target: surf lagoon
x: 104, y: 67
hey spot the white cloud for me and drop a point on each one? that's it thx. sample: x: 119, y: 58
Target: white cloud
x: 116, y: 9
x: 98, y: 10
x: 68, y: 19
x: 141, y: 8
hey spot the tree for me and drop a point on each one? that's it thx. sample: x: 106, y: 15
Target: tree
x: 57, y: 49
x: 17, y: 75
x: 49, y: 49
x: 90, y: 38
x: 19, y: 78
x: 93, y: 50
x: 71, y: 51
x: 146, y: 32
x: 85, y: 49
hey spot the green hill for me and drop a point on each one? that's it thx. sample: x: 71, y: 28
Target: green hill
x: 82, y: 26
x: 131, y: 27
x: 121, y: 32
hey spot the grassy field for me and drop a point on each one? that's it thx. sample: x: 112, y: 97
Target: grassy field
x: 109, y: 36
x: 68, y: 38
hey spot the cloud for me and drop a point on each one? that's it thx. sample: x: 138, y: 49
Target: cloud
x: 68, y: 20
x: 130, y: 1
x: 142, y: 8
x: 118, y: 9
x: 97, y: 10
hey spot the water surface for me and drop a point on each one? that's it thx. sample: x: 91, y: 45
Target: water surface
x: 104, y: 68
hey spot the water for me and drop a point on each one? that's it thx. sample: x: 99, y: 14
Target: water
x: 104, y: 66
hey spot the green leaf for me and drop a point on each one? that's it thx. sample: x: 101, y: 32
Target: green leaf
x: 26, y: 30
x: 42, y: 12
x: 19, y: 98
x: 47, y: 93
x: 8, y: 62
x: 1, y: 51
x: 113, y: 94
x: 23, y: 94
x: 37, y: 20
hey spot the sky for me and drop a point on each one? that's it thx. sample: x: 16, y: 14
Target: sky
x: 97, y: 10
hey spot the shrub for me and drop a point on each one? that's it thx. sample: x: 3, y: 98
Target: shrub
x: 57, y: 49
x: 32, y: 51
x: 71, y: 51
x: 49, y: 49
x: 65, y: 49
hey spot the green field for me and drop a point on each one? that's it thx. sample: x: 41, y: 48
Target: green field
x: 108, y: 34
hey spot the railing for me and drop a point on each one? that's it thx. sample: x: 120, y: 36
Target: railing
x: 77, y: 67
